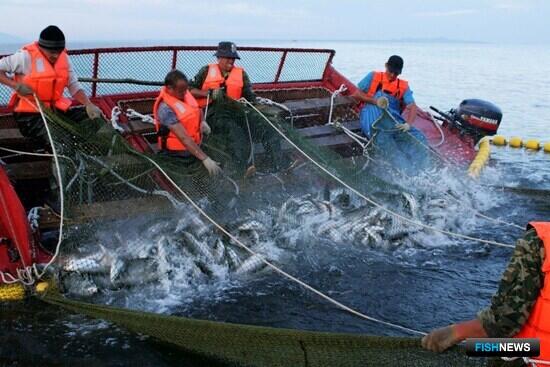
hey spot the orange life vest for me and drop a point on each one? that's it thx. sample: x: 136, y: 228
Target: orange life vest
x: 214, y: 80
x: 397, y: 88
x: 188, y: 114
x: 46, y: 80
x: 538, y: 323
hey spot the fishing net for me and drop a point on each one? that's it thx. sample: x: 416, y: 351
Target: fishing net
x: 158, y: 223
x: 140, y: 224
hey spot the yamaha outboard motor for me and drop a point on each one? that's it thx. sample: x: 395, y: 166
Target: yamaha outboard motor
x: 475, y: 117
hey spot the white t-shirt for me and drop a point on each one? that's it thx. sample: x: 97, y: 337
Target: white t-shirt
x: 20, y: 63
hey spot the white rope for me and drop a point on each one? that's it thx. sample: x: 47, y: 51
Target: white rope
x: 274, y: 267
x: 269, y: 102
x: 436, y: 124
x: 33, y: 217
x: 30, y: 273
x: 131, y: 113
x: 115, y: 114
x: 333, y: 95
x: 389, y: 211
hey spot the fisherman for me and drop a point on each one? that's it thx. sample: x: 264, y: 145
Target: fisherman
x: 383, y: 89
x: 402, y: 145
x: 220, y: 85
x: 179, y: 123
x: 43, y: 68
x: 519, y: 307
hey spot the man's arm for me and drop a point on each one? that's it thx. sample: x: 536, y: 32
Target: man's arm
x: 248, y: 93
x: 363, y: 87
x: 412, y: 109
x: 196, y: 83
x: 511, y: 305
x: 186, y: 140
x: 18, y: 63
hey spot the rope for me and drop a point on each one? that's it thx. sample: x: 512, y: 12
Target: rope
x: 274, y: 267
x: 131, y: 113
x: 115, y: 113
x: 29, y: 274
x: 251, y: 156
x: 389, y: 211
x: 269, y: 102
x: 535, y: 362
x: 440, y: 131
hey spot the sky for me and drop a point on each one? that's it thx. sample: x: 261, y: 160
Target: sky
x: 495, y: 21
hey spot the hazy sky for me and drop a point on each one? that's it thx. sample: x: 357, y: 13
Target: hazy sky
x: 474, y: 20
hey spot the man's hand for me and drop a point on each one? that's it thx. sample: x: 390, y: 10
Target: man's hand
x: 382, y: 102
x: 440, y: 339
x: 23, y: 89
x: 212, y: 166
x: 93, y: 111
x: 205, y: 128
x: 403, y: 127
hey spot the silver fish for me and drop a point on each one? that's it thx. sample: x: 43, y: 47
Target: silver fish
x: 98, y: 262
x: 232, y: 258
x: 253, y: 263
x: 198, y: 246
x: 218, y: 250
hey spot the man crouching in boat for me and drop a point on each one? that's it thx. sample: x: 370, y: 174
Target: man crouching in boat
x: 521, y: 306
x: 220, y: 85
x: 178, y: 122
x: 43, y: 68
x: 403, y: 145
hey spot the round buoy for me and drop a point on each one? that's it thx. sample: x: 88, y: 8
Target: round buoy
x: 42, y: 287
x: 499, y: 140
x: 532, y: 144
x: 547, y: 147
x: 515, y: 142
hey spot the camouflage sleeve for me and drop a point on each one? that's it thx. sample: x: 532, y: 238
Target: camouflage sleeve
x: 199, y: 79
x: 248, y: 94
x: 518, y: 289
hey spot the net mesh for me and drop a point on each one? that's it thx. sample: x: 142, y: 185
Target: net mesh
x: 143, y: 223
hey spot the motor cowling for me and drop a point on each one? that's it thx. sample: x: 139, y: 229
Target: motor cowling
x: 481, y: 116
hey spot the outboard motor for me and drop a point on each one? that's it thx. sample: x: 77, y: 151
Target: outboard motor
x: 475, y: 117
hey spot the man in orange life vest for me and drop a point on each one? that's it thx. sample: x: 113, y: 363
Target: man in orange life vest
x: 179, y: 123
x: 519, y: 308
x: 239, y: 127
x: 383, y: 89
x: 43, y: 68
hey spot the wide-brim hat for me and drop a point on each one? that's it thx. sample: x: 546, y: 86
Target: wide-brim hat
x: 228, y: 50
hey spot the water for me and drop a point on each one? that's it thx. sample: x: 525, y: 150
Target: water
x: 422, y: 288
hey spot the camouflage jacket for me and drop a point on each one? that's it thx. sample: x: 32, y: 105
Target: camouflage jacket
x: 518, y: 289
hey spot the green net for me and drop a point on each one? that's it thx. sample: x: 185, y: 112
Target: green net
x: 147, y: 225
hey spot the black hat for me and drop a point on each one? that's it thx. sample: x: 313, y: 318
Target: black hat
x: 395, y: 64
x: 51, y: 38
x: 227, y: 49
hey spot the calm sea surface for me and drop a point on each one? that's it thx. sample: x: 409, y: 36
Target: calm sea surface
x: 418, y: 288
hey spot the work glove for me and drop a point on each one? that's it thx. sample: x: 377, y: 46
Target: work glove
x: 403, y: 127
x: 93, y: 111
x: 382, y: 102
x: 212, y: 166
x: 217, y: 94
x: 205, y: 128
x: 23, y: 89
x: 440, y: 339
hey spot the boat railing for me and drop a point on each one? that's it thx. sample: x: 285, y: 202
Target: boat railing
x: 266, y: 66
